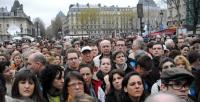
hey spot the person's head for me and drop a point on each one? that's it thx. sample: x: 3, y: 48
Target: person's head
x: 86, y: 54
x: 76, y: 45
x: 119, y: 57
x: 133, y: 85
x: 166, y: 63
x: 144, y: 65
x: 182, y: 62
x: 84, y: 98
x: 105, y: 65
x: 3, y: 57
x: 17, y: 58
x: 48, y: 56
x: 74, y: 85
x: 137, y: 44
x: 36, y: 62
x: 26, y: 54
x: 105, y: 47
x: 180, y: 41
x: 95, y: 50
x: 158, y: 49
x: 150, y: 47
x: 72, y: 58
x: 158, y: 38
x: 5, y: 70
x: 194, y: 59
x: 115, y: 78
x: 44, y: 49
x: 57, y: 60
x: 195, y: 45
x: 184, y: 50
x: 87, y: 73
x: 58, y: 49
x: 176, y: 81
x: 120, y: 45
x: 169, y: 43
x: 162, y: 97
x: 10, y: 48
x: 26, y: 85
x: 25, y: 46
x: 174, y: 53
x: 52, y: 78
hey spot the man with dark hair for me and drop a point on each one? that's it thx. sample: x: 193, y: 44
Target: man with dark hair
x: 120, y: 45
x: 72, y: 58
x: 158, y: 50
x: 177, y: 81
x: 145, y: 69
x: 194, y: 59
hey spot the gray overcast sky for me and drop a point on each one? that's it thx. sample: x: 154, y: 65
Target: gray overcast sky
x: 47, y: 9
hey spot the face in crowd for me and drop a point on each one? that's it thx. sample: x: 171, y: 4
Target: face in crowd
x: 87, y: 56
x: 120, y: 58
x: 105, y: 65
x: 105, y: 47
x: 133, y: 85
x: 95, y: 51
x: 157, y: 50
x: 117, y: 81
x: 120, y: 46
x: 86, y: 72
x: 73, y: 60
x: 73, y: 85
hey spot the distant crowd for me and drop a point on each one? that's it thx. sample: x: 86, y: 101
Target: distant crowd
x: 162, y: 69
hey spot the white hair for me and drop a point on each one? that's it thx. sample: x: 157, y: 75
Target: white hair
x: 162, y: 97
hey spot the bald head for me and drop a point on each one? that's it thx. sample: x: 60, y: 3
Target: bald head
x: 162, y: 97
x: 105, y: 47
x: 36, y: 62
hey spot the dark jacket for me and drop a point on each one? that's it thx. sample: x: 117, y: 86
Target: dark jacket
x: 100, y: 76
x: 112, y: 97
x: 196, y: 84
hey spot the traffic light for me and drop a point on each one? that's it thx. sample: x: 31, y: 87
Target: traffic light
x: 142, y: 27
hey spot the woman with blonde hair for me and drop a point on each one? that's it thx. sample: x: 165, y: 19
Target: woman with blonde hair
x: 17, y: 61
x: 182, y: 62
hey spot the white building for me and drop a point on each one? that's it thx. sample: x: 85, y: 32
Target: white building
x: 15, y: 20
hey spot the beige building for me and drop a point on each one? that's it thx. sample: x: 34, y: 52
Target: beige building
x: 99, y: 21
x: 103, y: 21
x: 174, y: 15
x: 15, y: 21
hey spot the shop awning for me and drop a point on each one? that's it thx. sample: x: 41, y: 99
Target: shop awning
x: 168, y: 31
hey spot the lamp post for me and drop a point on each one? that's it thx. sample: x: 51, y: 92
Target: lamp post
x: 161, y: 19
x: 148, y: 23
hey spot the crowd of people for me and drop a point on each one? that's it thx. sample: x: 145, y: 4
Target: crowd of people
x: 164, y: 69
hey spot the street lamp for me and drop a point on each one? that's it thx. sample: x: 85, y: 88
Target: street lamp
x: 161, y: 17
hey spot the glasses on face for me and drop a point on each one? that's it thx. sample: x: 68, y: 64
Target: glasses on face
x: 178, y: 85
x: 120, y: 45
x: 2, y: 59
x: 70, y: 59
x: 74, y: 84
x: 168, y: 66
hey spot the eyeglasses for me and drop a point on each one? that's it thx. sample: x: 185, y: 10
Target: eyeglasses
x: 120, y: 45
x: 168, y: 66
x: 75, y: 58
x: 75, y: 84
x: 178, y: 85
